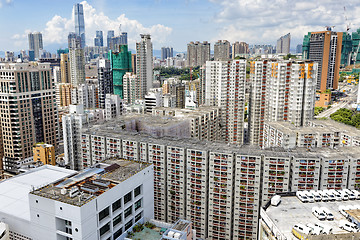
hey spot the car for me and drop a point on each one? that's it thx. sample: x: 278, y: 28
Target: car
x: 356, y: 193
x: 318, y: 213
x: 302, y: 197
x: 344, y: 195
x: 302, y: 229
x: 342, y: 209
x: 348, y: 226
x: 328, y: 214
x: 316, y: 195
x: 330, y: 195
x: 336, y: 194
x: 350, y: 194
x: 309, y: 196
x: 325, y: 229
x: 314, y: 229
x: 324, y: 196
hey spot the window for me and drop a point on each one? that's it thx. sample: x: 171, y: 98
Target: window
x: 116, y: 205
x: 137, y: 205
x: 138, y: 216
x: 118, y: 233
x: 103, y: 214
x: 117, y: 219
x: 128, y: 224
x: 104, y: 229
x: 127, y: 198
x: 137, y: 191
x: 128, y: 212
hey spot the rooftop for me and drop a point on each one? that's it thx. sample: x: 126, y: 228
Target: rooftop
x: 14, y: 192
x: 292, y: 211
x: 84, y: 186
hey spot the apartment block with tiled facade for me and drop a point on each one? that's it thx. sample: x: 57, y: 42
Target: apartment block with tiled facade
x: 28, y: 111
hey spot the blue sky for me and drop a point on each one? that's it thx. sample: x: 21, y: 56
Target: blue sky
x: 175, y: 22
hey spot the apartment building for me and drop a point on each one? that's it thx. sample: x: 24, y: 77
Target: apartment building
x: 221, y: 187
x: 280, y: 91
x: 28, y: 111
x: 113, y: 106
x: 222, y: 50
x: 197, y: 53
x: 319, y: 134
x: 144, y: 65
x: 44, y: 153
x: 225, y: 88
x: 105, y: 81
x: 86, y: 95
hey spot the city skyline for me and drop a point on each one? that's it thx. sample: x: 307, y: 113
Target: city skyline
x: 175, y: 23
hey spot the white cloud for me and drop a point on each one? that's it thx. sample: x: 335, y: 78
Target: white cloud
x: 57, y: 28
x: 264, y: 21
x: 5, y: 3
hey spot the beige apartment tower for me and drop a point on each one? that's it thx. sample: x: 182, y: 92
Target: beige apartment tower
x: 28, y: 111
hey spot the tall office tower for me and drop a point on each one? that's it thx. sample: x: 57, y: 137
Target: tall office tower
x: 110, y: 34
x: 77, y: 62
x: 324, y: 48
x: 166, y: 52
x: 71, y: 36
x: 280, y: 91
x: 27, y: 102
x: 79, y: 23
x: 144, y: 65
x: 85, y: 94
x: 222, y: 50
x: 113, y: 106
x: 225, y: 87
x: 197, y: 53
x: 299, y: 48
x: 65, y: 68
x: 116, y: 42
x: 239, y: 48
x: 99, y: 40
x: 283, y: 44
x: 35, y: 43
x: 120, y: 63
x: 123, y: 38
x: 105, y: 80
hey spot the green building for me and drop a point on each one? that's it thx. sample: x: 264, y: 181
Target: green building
x: 346, y: 49
x: 355, y: 46
x: 120, y: 64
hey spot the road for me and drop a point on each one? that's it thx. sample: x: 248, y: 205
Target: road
x: 345, y: 102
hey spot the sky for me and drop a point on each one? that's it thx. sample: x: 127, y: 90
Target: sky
x: 175, y: 22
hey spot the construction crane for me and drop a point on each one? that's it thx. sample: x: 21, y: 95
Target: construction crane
x: 348, y: 24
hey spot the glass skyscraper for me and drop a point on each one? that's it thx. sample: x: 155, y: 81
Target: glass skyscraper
x: 79, y: 23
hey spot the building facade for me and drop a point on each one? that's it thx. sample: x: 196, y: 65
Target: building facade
x: 144, y: 65
x: 197, y: 53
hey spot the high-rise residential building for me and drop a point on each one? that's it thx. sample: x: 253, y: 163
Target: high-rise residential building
x: 225, y: 88
x: 105, y: 80
x: 63, y: 94
x: 86, y: 95
x: 166, y: 52
x: 28, y: 108
x: 324, y: 48
x: 133, y: 63
x: 283, y: 44
x: 44, y: 153
x: 222, y: 50
x: 113, y: 106
x: 131, y: 92
x: 116, y: 42
x: 71, y: 36
x: 144, y: 65
x: 110, y: 34
x: 239, y: 48
x: 35, y: 43
x: 65, y: 68
x: 99, y: 39
x: 197, y: 53
x: 79, y: 23
x: 280, y: 91
x: 120, y: 62
x: 77, y: 62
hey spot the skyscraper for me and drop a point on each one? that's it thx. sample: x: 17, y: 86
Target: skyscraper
x: 283, y: 44
x: 225, y: 88
x: 239, y: 48
x: 29, y: 111
x: 120, y: 62
x: 80, y: 23
x: 197, y: 53
x: 77, y: 62
x: 35, y: 43
x: 99, y: 40
x: 65, y: 68
x: 324, y: 48
x: 105, y: 80
x: 222, y: 50
x: 110, y: 35
x: 144, y: 65
x: 166, y: 52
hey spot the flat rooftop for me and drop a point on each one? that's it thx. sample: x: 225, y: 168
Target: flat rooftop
x: 86, y: 185
x: 292, y: 211
x: 14, y: 192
